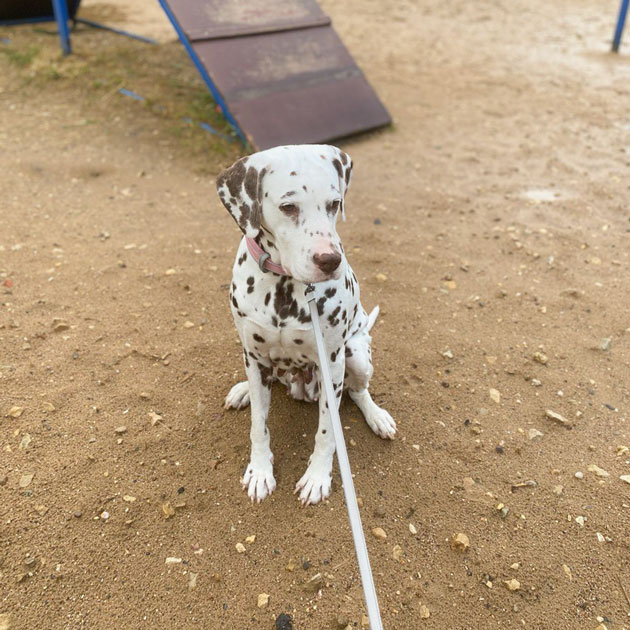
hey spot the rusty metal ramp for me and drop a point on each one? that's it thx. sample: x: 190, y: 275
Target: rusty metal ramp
x: 277, y: 69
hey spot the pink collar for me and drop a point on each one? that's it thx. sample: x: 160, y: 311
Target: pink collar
x: 263, y: 259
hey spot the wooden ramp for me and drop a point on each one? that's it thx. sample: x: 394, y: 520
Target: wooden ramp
x: 277, y: 69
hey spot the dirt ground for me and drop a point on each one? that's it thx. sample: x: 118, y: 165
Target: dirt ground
x: 496, y: 208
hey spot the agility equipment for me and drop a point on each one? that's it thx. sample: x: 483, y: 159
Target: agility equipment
x: 277, y: 69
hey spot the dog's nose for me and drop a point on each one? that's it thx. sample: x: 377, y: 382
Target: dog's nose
x: 327, y: 262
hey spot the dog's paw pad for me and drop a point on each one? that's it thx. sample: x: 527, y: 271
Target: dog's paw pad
x: 381, y: 423
x: 238, y: 398
x: 259, y: 481
x: 314, y: 486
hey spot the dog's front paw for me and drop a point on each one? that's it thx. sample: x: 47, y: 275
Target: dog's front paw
x: 238, y: 398
x: 258, y: 479
x: 381, y: 423
x: 315, y: 483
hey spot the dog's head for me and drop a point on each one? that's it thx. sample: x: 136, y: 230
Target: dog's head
x: 294, y: 195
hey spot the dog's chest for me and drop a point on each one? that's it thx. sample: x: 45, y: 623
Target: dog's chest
x: 272, y: 315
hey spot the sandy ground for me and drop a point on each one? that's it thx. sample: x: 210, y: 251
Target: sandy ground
x: 497, y: 210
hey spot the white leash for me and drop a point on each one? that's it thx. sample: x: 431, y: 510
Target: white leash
x: 369, y: 591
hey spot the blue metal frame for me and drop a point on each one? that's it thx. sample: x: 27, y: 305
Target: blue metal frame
x: 621, y: 20
x: 202, y: 71
x: 62, y: 16
x: 60, y: 9
x: 118, y: 31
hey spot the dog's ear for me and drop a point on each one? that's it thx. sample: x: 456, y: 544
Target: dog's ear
x: 343, y: 165
x: 240, y: 191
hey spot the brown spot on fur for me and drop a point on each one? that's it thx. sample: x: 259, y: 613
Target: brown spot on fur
x: 338, y: 167
x: 251, y: 182
x: 233, y: 177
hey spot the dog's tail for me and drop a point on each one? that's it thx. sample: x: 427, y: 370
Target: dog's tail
x: 372, y: 317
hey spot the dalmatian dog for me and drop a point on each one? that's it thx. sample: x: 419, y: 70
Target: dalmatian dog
x: 287, y: 201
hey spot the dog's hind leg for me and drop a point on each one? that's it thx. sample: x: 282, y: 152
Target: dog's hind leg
x: 238, y: 398
x: 359, y: 371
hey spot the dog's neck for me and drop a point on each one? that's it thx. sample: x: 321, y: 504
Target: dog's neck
x: 266, y: 242
x: 265, y: 253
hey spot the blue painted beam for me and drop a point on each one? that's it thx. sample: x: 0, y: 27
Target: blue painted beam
x: 60, y: 9
x: 216, y: 95
x: 621, y: 21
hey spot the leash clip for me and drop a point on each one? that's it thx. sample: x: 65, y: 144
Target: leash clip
x: 310, y: 288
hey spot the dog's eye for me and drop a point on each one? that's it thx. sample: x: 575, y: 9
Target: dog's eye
x: 289, y: 209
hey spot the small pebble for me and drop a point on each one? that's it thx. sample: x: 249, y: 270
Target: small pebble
x: 541, y: 358
x: 397, y: 553
x: 120, y: 430
x: 314, y: 584
x: 379, y: 533
x: 495, y: 395
x: 605, y: 343
x: 240, y: 547
x: 171, y: 561
x: 600, y: 472
x: 579, y: 475
x: 625, y: 478
x: 15, y: 412
x: 412, y: 529
x: 25, y: 480
x: 460, y: 542
x: 534, y: 434
x: 263, y: 600
x: 284, y: 622
x: 512, y: 585
x: 552, y: 415
x: 192, y: 580
x: 424, y: 612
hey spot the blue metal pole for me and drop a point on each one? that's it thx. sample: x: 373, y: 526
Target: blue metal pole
x: 60, y: 9
x: 118, y: 31
x: 623, y: 12
x: 218, y: 99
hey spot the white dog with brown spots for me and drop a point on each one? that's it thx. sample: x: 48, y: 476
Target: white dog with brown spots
x: 287, y: 200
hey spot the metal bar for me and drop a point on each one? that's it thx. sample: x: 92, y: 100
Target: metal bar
x: 621, y: 20
x: 60, y: 9
x: 118, y: 31
x: 203, y: 72
x: 369, y: 590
